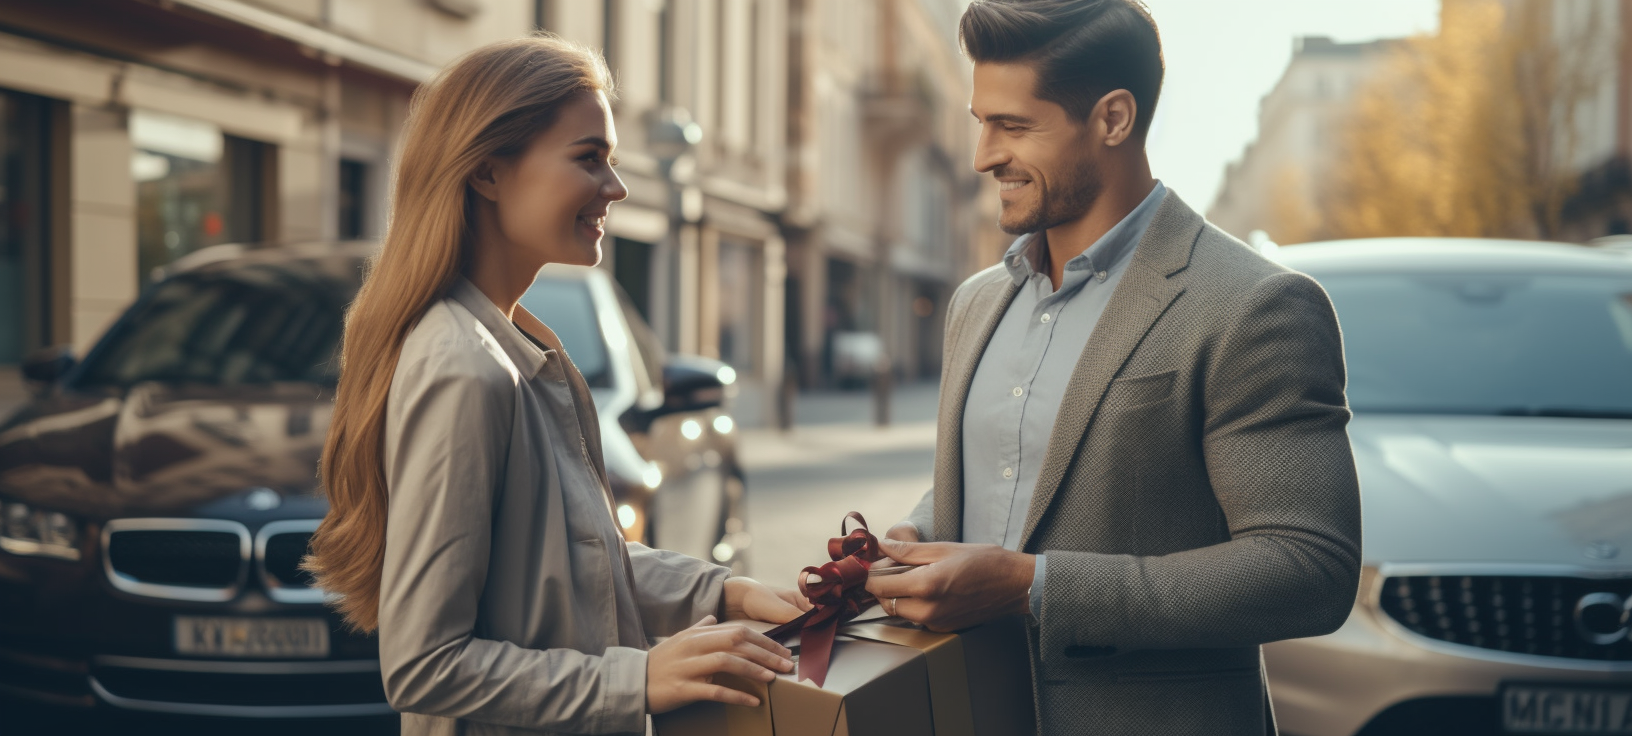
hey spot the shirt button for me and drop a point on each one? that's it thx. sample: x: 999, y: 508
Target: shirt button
x: 1101, y: 276
x: 1008, y: 472
x: 1046, y: 318
x: 1018, y: 390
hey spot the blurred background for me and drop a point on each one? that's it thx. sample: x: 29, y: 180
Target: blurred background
x: 802, y: 203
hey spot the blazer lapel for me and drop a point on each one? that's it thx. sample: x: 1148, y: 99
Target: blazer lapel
x: 1145, y: 292
x: 986, y: 309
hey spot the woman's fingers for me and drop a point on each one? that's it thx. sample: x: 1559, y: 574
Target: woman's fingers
x: 720, y: 694
x: 763, y: 658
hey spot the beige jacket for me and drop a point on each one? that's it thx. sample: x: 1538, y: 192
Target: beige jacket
x: 510, y: 602
x: 1198, y: 494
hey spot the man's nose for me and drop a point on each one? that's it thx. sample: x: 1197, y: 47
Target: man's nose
x: 988, y: 156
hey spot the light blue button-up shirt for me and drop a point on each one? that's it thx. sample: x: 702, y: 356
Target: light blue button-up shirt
x: 1020, y: 383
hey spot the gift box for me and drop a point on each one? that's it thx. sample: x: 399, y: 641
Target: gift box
x: 885, y: 677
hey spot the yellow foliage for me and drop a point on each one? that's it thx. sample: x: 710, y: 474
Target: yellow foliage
x: 1459, y: 133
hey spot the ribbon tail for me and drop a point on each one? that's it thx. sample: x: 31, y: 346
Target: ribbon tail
x: 782, y: 632
x: 816, y: 650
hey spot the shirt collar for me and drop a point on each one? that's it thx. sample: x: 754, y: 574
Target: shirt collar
x: 524, y: 353
x: 1106, y: 254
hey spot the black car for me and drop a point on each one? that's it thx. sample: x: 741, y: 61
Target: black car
x: 157, y: 497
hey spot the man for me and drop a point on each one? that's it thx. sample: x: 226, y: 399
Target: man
x: 1142, y: 445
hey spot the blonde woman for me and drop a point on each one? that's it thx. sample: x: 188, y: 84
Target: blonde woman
x: 469, y: 519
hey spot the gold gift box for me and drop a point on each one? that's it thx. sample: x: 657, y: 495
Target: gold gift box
x: 885, y: 679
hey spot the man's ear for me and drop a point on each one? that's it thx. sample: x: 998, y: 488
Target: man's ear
x: 1115, y: 114
x: 485, y: 181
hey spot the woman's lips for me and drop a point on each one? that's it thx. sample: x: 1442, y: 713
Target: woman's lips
x: 595, y: 225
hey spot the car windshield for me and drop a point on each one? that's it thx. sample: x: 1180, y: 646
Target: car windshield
x: 565, y: 305
x: 259, y: 323
x: 1527, y: 345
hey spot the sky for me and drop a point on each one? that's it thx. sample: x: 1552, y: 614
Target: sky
x: 1224, y: 55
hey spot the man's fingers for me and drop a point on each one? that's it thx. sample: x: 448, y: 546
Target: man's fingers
x: 909, y: 584
x: 916, y: 553
x: 912, y: 609
x: 708, y: 620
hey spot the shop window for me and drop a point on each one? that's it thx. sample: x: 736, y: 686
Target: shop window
x: 353, y: 199
x: 195, y: 187
x: 25, y: 276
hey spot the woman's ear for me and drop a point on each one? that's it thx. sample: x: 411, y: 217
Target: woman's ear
x: 485, y: 180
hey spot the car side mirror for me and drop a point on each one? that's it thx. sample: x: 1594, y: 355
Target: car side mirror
x: 44, y: 367
x: 690, y: 383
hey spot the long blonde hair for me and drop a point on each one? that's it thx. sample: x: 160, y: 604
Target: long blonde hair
x: 491, y: 102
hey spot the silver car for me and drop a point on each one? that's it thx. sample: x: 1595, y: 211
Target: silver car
x: 1492, y: 388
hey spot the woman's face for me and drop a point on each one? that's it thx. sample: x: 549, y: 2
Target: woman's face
x: 551, y: 201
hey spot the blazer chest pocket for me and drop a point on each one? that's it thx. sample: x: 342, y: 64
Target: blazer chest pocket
x: 1136, y: 391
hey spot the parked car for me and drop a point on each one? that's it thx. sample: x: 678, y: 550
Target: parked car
x: 1492, y: 388
x: 157, y: 497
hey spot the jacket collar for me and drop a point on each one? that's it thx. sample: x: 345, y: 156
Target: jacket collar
x: 527, y: 357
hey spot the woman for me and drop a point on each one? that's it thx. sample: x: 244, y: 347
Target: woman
x: 469, y: 515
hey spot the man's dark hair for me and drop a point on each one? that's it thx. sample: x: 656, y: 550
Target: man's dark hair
x: 1081, y: 49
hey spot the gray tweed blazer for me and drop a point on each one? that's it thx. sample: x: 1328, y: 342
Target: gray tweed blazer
x: 1198, y: 495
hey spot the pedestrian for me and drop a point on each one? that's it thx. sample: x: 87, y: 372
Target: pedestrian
x: 1142, y: 446
x: 470, y: 521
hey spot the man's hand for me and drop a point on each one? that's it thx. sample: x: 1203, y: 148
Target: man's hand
x: 956, y: 585
x: 749, y: 598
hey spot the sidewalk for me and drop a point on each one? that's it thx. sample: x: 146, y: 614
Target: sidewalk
x: 803, y: 481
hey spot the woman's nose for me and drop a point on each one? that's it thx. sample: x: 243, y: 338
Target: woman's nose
x: 615, y: 190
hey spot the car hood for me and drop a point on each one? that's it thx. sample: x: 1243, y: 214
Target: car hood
x: 1477, y: 489
x: 164, y: 449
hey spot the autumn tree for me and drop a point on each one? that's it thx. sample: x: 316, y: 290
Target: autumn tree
x: 1469, y: 132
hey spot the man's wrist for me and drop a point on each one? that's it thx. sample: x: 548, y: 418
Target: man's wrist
x: 1034, y: 593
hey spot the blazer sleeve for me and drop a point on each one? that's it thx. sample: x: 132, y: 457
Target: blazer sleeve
x: 673, y: 590
x: 922, y: 517
x: 1277, y: 453
x: 448, y: 435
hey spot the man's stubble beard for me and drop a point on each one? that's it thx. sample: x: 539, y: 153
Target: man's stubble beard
x: 1055, y: 207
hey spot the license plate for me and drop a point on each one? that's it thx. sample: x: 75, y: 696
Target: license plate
x: 217, y: 636
x: 1566, y: 710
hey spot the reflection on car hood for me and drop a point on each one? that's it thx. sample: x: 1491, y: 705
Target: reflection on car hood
x: 1478, y: 489
x: 163, y: 449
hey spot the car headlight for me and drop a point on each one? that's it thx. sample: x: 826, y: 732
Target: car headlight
x: 25, y: 530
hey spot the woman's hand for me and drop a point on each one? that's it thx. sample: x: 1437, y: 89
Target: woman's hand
x: 749, y: 598
x: 681, y: 669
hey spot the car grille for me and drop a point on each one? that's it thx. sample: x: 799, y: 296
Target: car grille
x: 1576, y: 618
x: 192, y: 558
x: 282, y: 559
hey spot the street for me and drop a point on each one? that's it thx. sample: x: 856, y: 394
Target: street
x: 802, y: 482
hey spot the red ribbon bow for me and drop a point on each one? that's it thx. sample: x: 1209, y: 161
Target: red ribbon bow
x: 840, y: 596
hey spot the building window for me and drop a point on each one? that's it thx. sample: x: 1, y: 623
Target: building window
x: 353, y: 199
x: 632, y: 267
x: 195, y: 187
x: 25, y: 263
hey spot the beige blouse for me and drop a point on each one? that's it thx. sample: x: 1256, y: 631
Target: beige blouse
x: 510, y: 602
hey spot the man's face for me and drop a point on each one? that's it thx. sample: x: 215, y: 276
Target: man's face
x: 1043, y: 160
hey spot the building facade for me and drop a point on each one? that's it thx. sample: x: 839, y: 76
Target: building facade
x: 1276, y: 184
x: 886, y: 215
x: 776, y: 152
